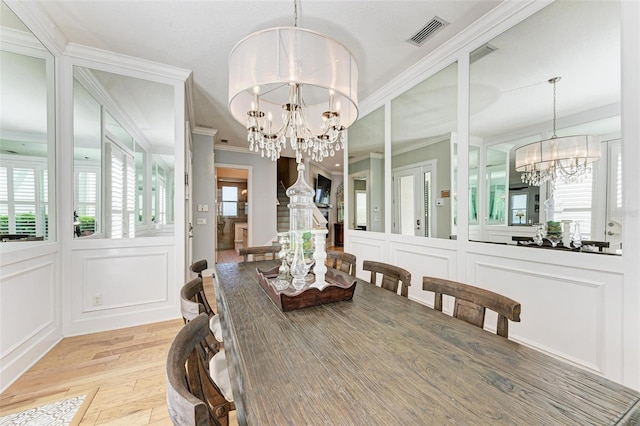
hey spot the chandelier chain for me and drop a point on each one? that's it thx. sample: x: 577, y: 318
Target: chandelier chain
x: 295, y: 13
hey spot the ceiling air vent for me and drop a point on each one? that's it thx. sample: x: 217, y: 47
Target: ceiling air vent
x: 432, y: 27
x: 481, y: 52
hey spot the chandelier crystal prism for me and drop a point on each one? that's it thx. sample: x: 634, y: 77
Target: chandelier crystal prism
x: 567, y: 158
x: 290, y: 83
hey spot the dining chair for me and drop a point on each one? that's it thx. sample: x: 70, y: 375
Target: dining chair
x: 471, y: 303
x: 198, y: 266
x: 345, y: 262
x: 392, y: 276
x: 193, y: 302
x: 195, y: 393
x: 260, y: 253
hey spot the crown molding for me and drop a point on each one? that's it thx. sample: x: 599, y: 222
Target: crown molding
x: 232, y: 148
x: 205, y: 131
x: 40, y: 25
x: 116, y: 61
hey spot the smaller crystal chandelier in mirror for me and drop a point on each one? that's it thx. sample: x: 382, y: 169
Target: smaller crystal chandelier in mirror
x: 567, y: 158
x: 290, y: 83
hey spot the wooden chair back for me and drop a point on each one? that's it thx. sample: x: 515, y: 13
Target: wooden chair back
x: 198, y: 266
x: 471, y: 303
x: 260, y: 253
x: 191, y: 295
x: 192, y: 397
x: 392, y: 276
x: 191, y: 306
x: 345, y: 262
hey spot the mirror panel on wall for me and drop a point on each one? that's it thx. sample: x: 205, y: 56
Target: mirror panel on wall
x: 515, y: 103
x: 366, y: 172
x: 27, y: 134
x: 123, y: 156
x: 423, y: 139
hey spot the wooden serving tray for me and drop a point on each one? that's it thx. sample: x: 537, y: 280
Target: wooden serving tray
x: 341, y: 287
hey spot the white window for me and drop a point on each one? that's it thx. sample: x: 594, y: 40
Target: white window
x: 23, y: 199
x: 574, y: 201
x: 229, y: 201
x: 122, y: 193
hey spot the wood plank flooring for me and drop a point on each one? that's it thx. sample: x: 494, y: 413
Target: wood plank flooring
x: 127, y: 365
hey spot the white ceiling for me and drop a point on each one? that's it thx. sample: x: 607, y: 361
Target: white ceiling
x: 198, y: 35
x: 509, y: 88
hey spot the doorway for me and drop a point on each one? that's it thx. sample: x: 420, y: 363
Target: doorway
x: 413, y: 213
x: 232, y: 213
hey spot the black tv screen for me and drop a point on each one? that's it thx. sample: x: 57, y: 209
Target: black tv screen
x: 323, y: 190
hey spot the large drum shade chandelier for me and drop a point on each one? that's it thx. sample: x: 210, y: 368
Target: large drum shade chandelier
x: 296, y: 84
x: 567, y: 158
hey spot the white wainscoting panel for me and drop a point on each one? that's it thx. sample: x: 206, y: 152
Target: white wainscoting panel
x: 567, y: 312
x: 136, y: 280
x: 365, y: 248
x: 423, y: 261
x: 29, y: 317
x: 121, y: 287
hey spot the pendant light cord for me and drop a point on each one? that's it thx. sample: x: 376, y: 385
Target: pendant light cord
x: 553, y: 81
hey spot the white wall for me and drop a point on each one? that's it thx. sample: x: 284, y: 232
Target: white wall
x: 68, y: 286
x: 203, y: 184
x: 262, y: 192
x: 582, y: 308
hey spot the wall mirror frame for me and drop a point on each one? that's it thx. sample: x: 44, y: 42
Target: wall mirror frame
x: 511, y: 105
x: 124, y: 157
x: 27, y: 134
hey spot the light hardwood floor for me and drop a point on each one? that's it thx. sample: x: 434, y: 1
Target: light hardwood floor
x: 127, y: 365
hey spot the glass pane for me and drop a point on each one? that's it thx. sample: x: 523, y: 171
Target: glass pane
x: 407, y: 205
x: 229, y: 193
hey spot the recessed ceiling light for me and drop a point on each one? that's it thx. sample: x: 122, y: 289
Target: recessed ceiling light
x: 337, y: 164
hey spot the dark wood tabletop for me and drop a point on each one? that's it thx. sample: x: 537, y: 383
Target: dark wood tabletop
x: 383, y: 359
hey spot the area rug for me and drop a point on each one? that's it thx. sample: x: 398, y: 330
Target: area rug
x: 68, y: 412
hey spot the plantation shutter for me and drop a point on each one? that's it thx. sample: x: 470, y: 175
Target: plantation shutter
x: 117, y: 192
x: 573, y: 201
x: 24, y: 195
x: 130, y: 186
x: 4, y: 201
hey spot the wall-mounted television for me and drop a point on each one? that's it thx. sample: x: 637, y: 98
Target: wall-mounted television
x: 323, y: 190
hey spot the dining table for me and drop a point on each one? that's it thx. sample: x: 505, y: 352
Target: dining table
x: 381, y: 358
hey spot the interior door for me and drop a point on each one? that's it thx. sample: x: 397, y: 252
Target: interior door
x: 613, y: 221
x: 413, y: 201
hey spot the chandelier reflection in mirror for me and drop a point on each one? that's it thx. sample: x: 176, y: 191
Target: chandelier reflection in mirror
x: 296, y: 84
x: 567, y: 158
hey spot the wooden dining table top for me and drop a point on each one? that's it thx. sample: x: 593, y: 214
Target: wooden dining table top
x: 383, y: 359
